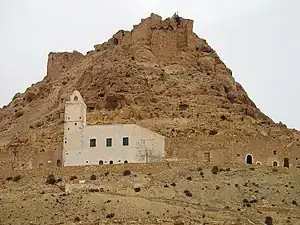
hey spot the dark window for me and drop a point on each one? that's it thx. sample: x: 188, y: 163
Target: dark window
x: 108, y: 142
x: 249, y: 159
x: 111, y: 162
x: 275, y: 163
x: 286, y: 162
x: 274, y: 152
x: 100, y: 162
x: 75, y: 124
x: 125, y: 161
x: 125, y: 141
x: 93, y: 142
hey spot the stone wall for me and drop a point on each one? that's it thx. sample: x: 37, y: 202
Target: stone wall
x: 60, y: 62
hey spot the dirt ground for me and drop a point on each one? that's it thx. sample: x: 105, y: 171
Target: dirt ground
x: 151, y: 194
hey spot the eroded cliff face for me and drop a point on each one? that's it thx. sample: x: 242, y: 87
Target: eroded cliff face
x: 160, y: 75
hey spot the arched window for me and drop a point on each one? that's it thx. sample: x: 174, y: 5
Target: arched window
x: 275, y: 163
x: 125, y: 161
x: 249, y: 159
x: 111, y: 162
x: 100, y: 162
x: 76, y: 98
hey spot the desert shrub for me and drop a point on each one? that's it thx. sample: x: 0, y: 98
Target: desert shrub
x: 17, y: 178
x: 245, y: 201
x: 215, y: 170
x: 106, y: 174
x: 73, y: 177
x: 132, y: 58
x: 217, y: 187
x: 110, y: 215
x: 76, y: 219
x: 94, y: 190
x: 137, y: 189
x: 93, y: 177
x: 173, y: 184
x: 294, y: 203
x: 51, y: 179
x: 188, y: 193
x: 9, y: 178
x: 166, y: 186
x: 126, y: 172
x: 189, y: 178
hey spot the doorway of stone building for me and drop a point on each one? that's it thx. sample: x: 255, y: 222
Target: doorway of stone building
x: 249, y: 159
x: 286, y: 162
x: 58, y: 163
x: 275, y: 163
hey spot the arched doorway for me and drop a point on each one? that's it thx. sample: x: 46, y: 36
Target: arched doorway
x: 275, y: 163
x: 249, y: 159
x: 125, y: 161
x: 100, y: 162
x: 111, y: 162
x: 286, y: 162
x: 58, y: 163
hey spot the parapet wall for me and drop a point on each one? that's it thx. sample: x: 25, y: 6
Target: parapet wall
x: 165, y: 37
x: 60, y: 62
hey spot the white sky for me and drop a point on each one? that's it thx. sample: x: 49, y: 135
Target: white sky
x: 259, y: 40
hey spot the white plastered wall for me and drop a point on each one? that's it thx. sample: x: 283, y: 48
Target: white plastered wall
x: 144, y: 145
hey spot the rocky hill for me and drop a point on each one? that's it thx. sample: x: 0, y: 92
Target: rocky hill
x: 159, y: 75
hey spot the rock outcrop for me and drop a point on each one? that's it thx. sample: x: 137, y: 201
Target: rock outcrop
x: 160, y: 75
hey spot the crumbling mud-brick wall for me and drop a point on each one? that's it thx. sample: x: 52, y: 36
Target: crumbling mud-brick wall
x: 60, y: 62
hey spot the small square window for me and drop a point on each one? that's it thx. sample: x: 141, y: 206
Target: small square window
x: 108, y: 142
x: 93, y: 142
x: 125, y: 141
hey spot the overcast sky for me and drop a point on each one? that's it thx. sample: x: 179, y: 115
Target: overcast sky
x: 259, y: 40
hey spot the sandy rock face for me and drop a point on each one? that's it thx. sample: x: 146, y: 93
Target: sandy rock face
x: 159, y: 75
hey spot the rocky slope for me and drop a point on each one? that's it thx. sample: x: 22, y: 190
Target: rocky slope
x: 139, y: 194
x: 160, y: 75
